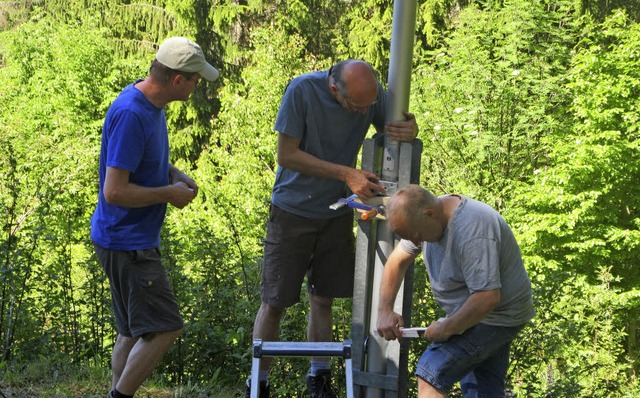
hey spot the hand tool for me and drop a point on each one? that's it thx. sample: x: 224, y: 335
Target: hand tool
x: 368, y: 211
x: 412, y: 332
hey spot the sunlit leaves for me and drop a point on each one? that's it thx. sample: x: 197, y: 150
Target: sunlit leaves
x: 488, y: 99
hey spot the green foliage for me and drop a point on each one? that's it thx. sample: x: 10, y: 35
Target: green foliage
x: 53, y: 87
x: 579, y: 217
x: 600, y: 9
x: 319, y: 23
x: 595, y: 165
x: 524, y: 105
x: 489, y: 97
x: 130, y: 21
x: 369, y: 34
x: 576, y: 343
x: 433, y: 18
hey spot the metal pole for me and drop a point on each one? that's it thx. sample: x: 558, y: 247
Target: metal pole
x: 399, y: 79
x: 399, y: 83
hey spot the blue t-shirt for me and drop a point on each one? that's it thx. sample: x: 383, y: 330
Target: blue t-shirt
x: 134, y: 138
x: 327, y: 131
x: 478, y: 252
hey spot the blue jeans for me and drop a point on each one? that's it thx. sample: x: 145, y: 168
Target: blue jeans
x: 478, y: 359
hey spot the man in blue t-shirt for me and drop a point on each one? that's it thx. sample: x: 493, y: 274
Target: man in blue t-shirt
x: 477, y: 277
x: 136, y: 183
x: 323, y: 119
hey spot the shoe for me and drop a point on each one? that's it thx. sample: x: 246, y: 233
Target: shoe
x: 264, y: 389
x: 319, y: 386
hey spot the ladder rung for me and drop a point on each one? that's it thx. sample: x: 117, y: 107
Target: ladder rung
x: 300, y: 349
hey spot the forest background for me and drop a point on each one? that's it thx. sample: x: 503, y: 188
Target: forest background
x: 531, y: 106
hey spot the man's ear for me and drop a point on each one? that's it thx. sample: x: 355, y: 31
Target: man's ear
x: 334, y: 88
x: 177, y: 79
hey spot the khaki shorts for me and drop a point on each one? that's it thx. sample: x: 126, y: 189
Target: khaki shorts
x: 142, y: 299
x: 296, y: 246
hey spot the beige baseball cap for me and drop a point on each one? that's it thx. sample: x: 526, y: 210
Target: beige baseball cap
x: 182, y: 54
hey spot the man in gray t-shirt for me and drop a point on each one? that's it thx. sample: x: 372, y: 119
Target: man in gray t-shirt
x: 323, y: 118
x: 477, y: 277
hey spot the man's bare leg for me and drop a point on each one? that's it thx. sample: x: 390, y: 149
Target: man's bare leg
x: 320, y: 318
x: 119, y: 356
x: 143, y: 357
x: 266, y: 327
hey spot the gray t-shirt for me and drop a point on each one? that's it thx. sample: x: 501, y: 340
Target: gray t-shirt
x: 327, y: 131
x: 478, y: 252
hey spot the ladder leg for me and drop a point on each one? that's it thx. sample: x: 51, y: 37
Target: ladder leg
x: 349, y: 377
x: 255, y: 369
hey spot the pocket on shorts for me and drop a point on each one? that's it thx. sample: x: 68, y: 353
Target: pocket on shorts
x: 150, y: 272
x: 152, y: 279
x: 483, y: 340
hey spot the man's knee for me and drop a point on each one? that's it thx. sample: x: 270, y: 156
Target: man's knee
x: 271, y: 312
x: 125, y: 342
x: 426, y: 390
x: 170, y: 334
x: 176, y: 333
x: 320, y: 302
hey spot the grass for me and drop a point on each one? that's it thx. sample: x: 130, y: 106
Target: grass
x: 58, y: 376
x: 51, y: 378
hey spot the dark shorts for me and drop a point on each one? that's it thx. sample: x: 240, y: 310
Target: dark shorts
x: 295, y: 246
x: 142, y: 299
x: 478, y: 359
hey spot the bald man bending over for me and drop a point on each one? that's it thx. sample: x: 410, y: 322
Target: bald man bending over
x: 477, y: 278
x: 324, y: 116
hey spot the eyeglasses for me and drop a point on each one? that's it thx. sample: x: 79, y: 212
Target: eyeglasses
x: 348, y: 102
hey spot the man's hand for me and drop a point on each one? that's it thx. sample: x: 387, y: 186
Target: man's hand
x: 389, y: 324
x: 363, y: 183
x: 437, y: 332
x: 181, y: 194
x: 405, y: 130
x: 179, y: 176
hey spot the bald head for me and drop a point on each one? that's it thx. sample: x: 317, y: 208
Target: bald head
x: 356, y: 82
x: 407, y: 204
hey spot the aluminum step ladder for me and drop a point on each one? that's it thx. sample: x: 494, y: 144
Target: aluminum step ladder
x: 300, y: 349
